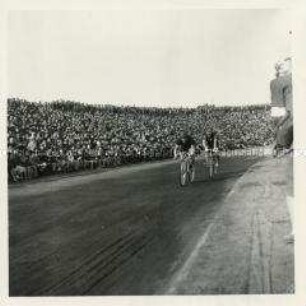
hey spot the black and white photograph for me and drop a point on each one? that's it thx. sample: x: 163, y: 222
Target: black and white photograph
x: 150, y: 152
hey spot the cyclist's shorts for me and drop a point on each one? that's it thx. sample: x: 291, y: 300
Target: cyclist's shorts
x: 192, y: 156
x: 189, y: 151
x: 211, y: 157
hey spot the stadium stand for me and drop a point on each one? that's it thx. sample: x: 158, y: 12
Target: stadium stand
x: 66, y: 136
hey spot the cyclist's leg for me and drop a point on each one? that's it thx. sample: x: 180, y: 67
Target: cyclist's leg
x: 211, y: 165
x: 206, y: 163
x: 192, y: 158
x: 211, y: 171
x: 216, y: 163
x: 183, y: 171
x: 192, y: 168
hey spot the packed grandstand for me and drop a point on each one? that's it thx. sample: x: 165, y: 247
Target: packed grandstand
x: 66, y: 136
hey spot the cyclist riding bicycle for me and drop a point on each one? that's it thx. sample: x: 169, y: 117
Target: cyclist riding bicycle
x: 185, y: 148
x: 210, y: 144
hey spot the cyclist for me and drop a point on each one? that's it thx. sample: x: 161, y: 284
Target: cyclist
x: 210, y: 145
x: 210, y: 140
x: 185, y: 144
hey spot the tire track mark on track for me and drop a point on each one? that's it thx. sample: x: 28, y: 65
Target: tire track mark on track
x: 98, y: 261
x: 87, y: 261
x: 118, y: 261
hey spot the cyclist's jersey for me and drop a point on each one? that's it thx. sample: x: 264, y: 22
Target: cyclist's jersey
x: 210, y: 139
x: 185, y: 143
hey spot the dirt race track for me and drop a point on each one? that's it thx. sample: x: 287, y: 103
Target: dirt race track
x: 135, y: 231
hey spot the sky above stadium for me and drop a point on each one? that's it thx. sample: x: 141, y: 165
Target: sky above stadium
x: 146, y: 57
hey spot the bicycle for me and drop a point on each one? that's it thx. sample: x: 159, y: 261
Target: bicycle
x: 211, y: 160
x: 187, y: 169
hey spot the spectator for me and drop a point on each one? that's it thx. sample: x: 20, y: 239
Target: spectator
x: 281, y: 94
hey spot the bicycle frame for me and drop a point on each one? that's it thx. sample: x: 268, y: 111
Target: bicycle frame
x: 212, y: 162
x: 187, y: 169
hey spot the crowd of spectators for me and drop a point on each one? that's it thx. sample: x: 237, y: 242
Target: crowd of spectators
x: 66, y: 136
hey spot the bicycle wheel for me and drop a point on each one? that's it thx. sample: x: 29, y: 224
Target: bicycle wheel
x: 192, y: 172
x: 211, y: 167
x: 211, y: 172
x: 184, y: 173
x: 216, y: 167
